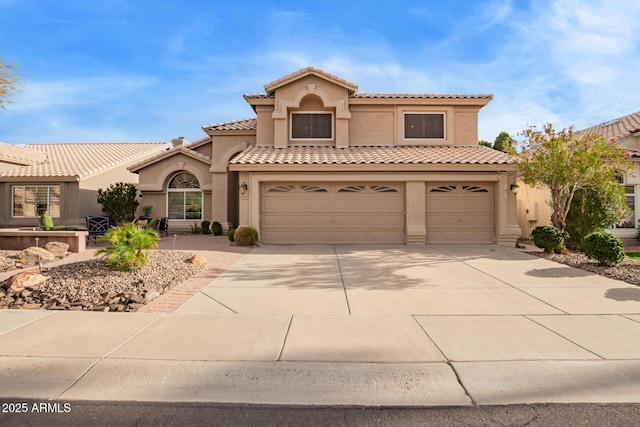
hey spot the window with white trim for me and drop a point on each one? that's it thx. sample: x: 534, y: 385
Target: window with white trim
x: 312, y: 125
x: 31, y: 201
x: 424, y: 125
x: 184, y: 197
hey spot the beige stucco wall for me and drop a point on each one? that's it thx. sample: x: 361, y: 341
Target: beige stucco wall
x: 533, y: 208
x: 359, y: 121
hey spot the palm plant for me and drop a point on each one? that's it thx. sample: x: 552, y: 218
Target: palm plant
x: 127, y: 244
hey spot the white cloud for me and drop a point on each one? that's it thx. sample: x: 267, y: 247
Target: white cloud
x: 73, y: 92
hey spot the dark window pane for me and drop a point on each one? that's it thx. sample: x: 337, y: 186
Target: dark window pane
x: 424, y: 126
x: 311, y: 126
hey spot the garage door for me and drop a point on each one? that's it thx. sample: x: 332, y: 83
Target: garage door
x: 342, y: 213
x: 460, y: 213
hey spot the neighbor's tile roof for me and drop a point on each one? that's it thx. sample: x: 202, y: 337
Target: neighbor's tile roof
x: 244, y: 124
x: 616, y: 129
x: 82, y: 159
x: 20, y: 155
x: 309, y: 155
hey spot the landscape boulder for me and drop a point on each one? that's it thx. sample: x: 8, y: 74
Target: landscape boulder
x: 58, y: 249
x: 30, y: 256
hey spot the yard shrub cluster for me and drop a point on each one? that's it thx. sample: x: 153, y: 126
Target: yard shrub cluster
x: 205, y: 227
x: 46, y: 222
x: 216, y: 228
x: 604, y: 247
x: 127, y: 244
x: 195, y: 228
x: 246, y: 236
x: 231, y: 234
x: 549, y: 238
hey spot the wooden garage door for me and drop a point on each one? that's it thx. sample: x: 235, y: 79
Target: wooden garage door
x: 342, y: 213
x: 460, y: 213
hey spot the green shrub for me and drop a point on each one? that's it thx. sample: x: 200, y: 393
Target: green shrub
x: 46, y: 222
x: 549, y: 238
x: 246, y: 236
x: 594, y: 209
x: 127, y: 244
x: 195, y: 228
x: 604, y: 247
x: 216, y: 228
x: 119, y: 201
x: 205, y: 227
x: 231, y: 234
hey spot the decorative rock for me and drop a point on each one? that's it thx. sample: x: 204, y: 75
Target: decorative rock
x: 197, y: 260
x: 32, y: 306
x: 136, y: 299
x: 26, y: 280
x: 151, y: 295
x: 58, y: 249
x: 30, y: 256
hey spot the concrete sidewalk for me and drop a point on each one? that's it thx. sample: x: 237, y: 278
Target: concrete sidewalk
x: 348, y: 325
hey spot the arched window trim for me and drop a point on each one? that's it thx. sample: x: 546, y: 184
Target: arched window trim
x: 189, y: 198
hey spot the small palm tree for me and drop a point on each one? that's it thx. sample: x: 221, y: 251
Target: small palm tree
x: 127, y: 245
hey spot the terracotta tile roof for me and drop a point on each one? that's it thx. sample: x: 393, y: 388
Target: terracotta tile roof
x: 168, y: 153
x: 11, y: 153
x: 244, y: 124
x: 307, y: 71
x: 394, y: 96
x: 616, y: 129
x: 418, y: 96
x: 82, y: 159
x: 308, y: 155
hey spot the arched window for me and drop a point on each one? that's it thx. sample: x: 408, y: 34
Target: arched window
x: 184, y: 197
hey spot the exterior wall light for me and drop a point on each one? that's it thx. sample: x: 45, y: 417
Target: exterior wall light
x: 514, y: 188
x: 243, y: 188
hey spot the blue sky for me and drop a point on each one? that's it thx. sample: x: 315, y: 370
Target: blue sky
x: 153, y: 70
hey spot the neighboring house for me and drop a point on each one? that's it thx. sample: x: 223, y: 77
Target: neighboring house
x: 625, y: 132
x: 533, y: 203
x: 321, y: 163
x: 62, y: 179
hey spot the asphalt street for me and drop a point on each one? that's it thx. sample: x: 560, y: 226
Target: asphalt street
x: 76, y: 413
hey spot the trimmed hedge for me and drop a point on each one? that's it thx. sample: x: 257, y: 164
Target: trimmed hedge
x: 216, y: 228
x: 605, y: 248
x: 205, y: 227
x: 549, y: 238
x: 246, y: 236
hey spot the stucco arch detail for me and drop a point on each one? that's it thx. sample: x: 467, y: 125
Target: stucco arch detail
x: 221, y: 161
x: 173, y: 168
x: 283, y: 105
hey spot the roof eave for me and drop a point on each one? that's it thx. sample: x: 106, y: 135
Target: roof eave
x: 378, y: 167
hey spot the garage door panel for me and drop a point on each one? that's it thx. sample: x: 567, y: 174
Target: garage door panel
x: 460, y: 213
x: 364, y: 213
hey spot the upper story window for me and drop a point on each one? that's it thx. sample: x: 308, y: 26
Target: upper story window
x: 312, y: 125
x: 424, y: 125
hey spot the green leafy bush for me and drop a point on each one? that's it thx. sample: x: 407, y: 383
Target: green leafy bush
x: 231, y: 234
x: 195, y: 228
x: 595, y: 209
x: 246, y: 236
x: 205, y: 227
x: 216, y: 228
x: 119, y: 201
x: 604, y: 247
x: 127, y: 244
x: 549, y: 238
x: 46, y: 222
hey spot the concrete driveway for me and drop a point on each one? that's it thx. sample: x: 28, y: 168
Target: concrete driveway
x: 440, y: 325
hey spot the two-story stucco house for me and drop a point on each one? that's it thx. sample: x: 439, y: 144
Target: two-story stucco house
x: 322, y: 163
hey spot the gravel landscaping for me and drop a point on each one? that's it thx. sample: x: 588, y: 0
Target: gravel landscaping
x: 628, y: 271
x: 90, y: 285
